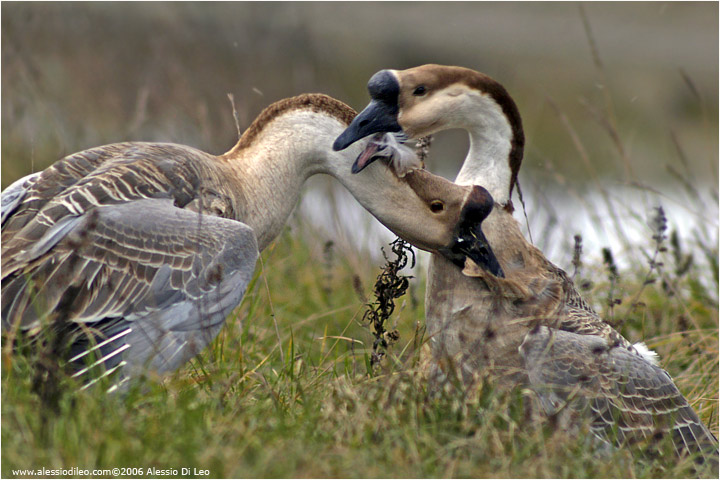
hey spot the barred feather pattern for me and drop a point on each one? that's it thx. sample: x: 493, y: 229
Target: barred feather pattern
x: 133, y: 243
x: 481, y: 323
x: 628, y: 400
x: 578, y: 363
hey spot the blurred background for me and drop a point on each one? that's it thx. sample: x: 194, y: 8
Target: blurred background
x: 619, y: 100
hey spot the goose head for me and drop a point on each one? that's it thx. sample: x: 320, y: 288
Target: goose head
x: 427, y: 99
x: 431, y: 212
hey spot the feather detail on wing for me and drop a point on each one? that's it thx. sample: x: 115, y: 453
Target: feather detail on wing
x: 627, y: 398
x: 122, y: 248
x: 153, y: 281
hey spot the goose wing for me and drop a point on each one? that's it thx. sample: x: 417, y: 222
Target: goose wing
x: 14, y: 195
x: 23, y: 199
x: 629, y: 398
x: 148, y: 283
x: 579, y: 317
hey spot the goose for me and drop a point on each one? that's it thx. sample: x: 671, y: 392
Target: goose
x: 135, y: 253
x: 530, y: 327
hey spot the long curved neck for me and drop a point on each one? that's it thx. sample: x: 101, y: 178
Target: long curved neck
x: 491, y: 143
x: 270, y: 172
x: 266, y: 176
x: 496, y: 148
x: 486, y: 164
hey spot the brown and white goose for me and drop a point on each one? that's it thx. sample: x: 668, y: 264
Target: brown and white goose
x: 138, y: 251
x: 531, y: 327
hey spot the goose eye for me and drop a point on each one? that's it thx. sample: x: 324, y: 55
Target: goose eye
x: 437, y: 206
x: 420, y: 90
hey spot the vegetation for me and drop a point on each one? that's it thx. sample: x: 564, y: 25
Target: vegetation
x: 288, y: 389
x: 305, y: 403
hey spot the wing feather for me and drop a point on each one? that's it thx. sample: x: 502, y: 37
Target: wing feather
x: 160, y: 296
x: 630, y: 398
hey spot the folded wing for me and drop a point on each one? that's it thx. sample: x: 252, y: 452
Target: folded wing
x: 141, y: 284
x: 629, y: 398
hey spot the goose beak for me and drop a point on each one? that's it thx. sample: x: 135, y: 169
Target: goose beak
x: 377, y: 117
x: 368, y: 155
x: 470, y: 241
x: 380, y: 116
x: 475, y: 247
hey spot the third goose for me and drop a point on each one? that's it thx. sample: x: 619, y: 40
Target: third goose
x: 531, y: 327
x: 137, y: 252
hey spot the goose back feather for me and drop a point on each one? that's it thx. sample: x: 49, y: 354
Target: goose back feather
x: 628, y: 400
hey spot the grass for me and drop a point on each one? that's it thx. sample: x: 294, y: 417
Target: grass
x: 286, y: 389
x: 305, y: 405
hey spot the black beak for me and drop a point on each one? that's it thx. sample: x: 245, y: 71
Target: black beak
x: 377, y: 117
x: 470, y: 240
x: 475, y: 246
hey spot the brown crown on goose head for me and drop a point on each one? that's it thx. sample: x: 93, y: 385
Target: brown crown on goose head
x: 153, y: 244
x: 430, y: 98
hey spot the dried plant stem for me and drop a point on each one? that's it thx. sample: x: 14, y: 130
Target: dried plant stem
x: 388, y: 286
x: 272, y: 310
x: 588, y: 164
x: 614, y: 276
x: 609, y: 120
x: 231, y: 97
x: 522, y: 202
x: 659, y: 237
x: 328, y: 266
x: 577, y: 254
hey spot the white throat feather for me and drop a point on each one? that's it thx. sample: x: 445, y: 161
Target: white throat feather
x: 487, y: 163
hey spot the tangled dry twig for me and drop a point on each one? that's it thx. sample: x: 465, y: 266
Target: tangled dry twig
x: 388, y: 286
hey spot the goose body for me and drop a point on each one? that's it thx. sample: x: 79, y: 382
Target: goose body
x: 137, y: 252
x: 531, y: 327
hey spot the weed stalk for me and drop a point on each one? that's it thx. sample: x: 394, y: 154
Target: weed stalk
x: 388, y: 286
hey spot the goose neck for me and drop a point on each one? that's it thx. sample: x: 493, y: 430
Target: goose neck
x: 487, y: 165
x: 496, y: 143
x: 269, y: 173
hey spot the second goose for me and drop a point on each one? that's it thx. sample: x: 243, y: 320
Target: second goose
x: 532, y: 327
